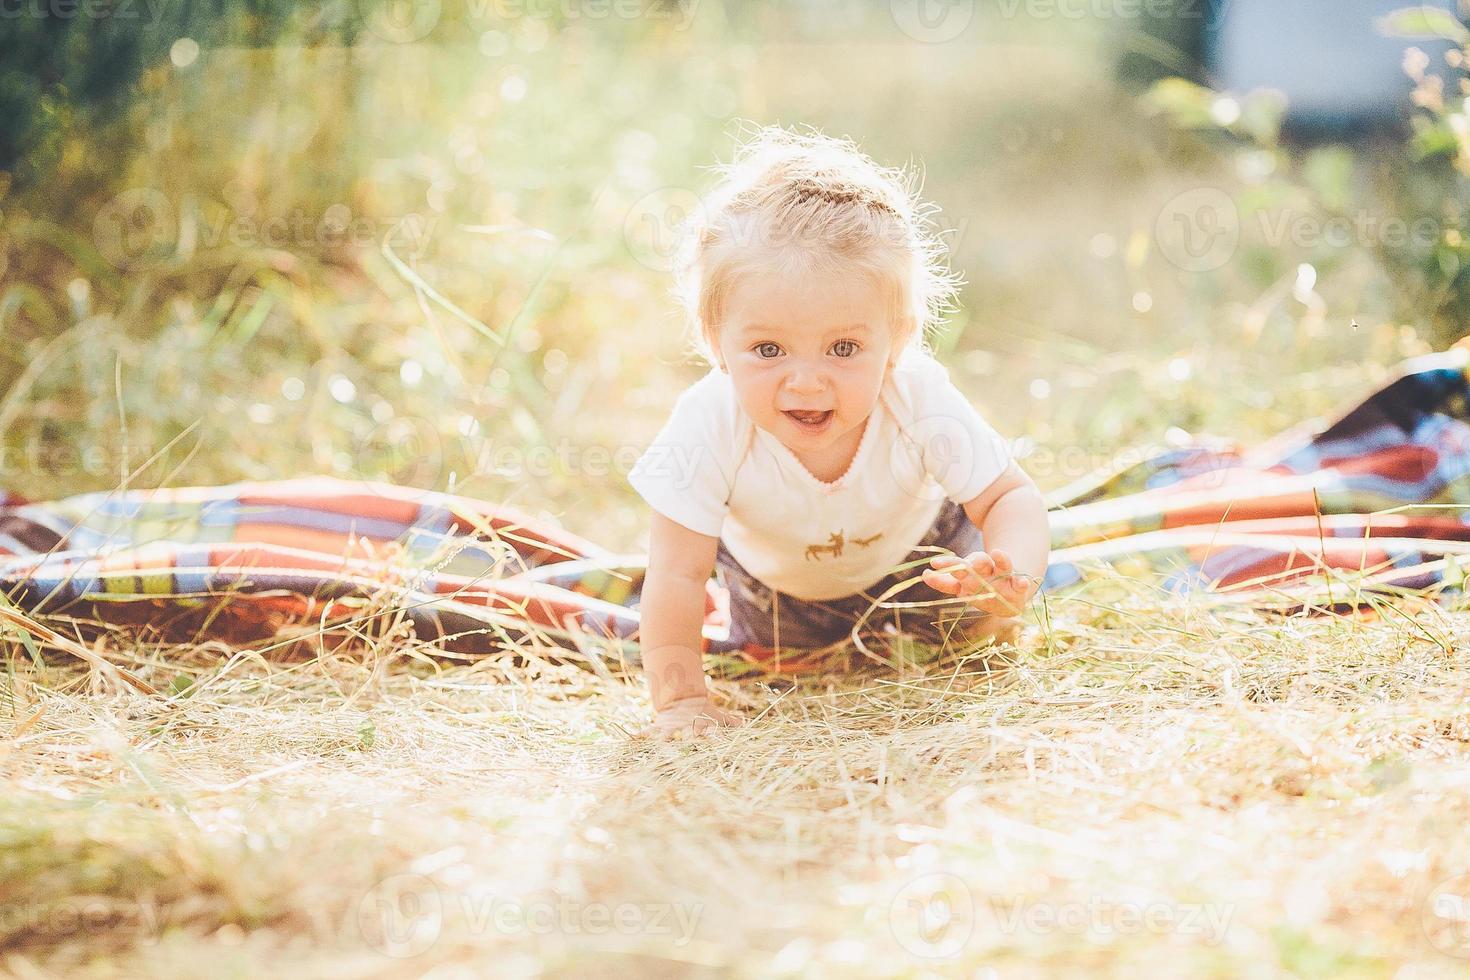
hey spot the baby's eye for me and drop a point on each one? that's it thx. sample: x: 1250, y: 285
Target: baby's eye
x: 845, y: 348
x: 767, y: 350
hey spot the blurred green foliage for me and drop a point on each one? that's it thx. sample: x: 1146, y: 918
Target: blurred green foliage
x: 1167, y: 41
x: 69, y: 66
x: 427, y: 242
x: 1404, y: 197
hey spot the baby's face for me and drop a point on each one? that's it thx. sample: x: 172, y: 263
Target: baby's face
x: 807, y: 355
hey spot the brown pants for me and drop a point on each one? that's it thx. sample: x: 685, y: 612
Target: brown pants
x: 763, y: 617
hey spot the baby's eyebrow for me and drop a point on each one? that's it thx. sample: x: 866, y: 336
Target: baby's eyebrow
x: 850, y: 328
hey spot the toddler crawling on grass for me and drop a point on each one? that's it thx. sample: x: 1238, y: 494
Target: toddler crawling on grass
x: 826, y: 455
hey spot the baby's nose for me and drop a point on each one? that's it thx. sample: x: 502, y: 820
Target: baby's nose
x: 804, y: 380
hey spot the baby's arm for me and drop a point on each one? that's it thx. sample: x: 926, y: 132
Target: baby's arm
x: 672, y: 613
x: 1011, y: 514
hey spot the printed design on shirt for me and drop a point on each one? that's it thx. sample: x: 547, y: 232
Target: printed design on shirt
x: 835, y: 544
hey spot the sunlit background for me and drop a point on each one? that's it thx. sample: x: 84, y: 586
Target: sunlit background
x: 427, y: 241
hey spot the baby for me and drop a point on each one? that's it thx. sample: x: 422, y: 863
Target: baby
x: 826, y: 455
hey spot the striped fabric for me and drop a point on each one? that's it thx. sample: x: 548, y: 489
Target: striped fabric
x: 1376, y: 500
x: 1371, y: 505
x: 235, y: 560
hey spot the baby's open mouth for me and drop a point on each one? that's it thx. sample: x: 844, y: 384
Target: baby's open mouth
x: 810, y: 420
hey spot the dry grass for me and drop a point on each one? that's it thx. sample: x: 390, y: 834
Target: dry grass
x: 1147, y: 783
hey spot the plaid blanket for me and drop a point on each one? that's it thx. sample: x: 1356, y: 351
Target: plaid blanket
x: 1367, y: 509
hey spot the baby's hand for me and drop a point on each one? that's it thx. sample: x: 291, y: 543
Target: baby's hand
x: 989, y: 579
x: 687, y: 717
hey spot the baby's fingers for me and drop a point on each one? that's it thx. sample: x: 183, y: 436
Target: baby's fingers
x: 941, y: 582
x: 956, y: 580
x: 687, y: 723
x: 1003, y: 564
x: 966, y: 575
x: 718, y: 717
x: 950, y: 563
x: 1012, y: 593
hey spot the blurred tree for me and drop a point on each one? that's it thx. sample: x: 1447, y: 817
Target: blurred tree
x: 68, y: 67
x: 1168, y: 38
x: 1406, y: 198
x: 54, y: 70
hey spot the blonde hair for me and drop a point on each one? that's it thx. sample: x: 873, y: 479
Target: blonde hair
x: 813, y: 204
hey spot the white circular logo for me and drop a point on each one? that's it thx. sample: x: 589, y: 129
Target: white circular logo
x: 932, y: 21
x: 136, y: 228
x: 1446, y: 917
x: 401, y: 916
x: 937, y: 446
x: 400, y: 21
x: 406, y: 452
x: 1198, y: 230
x: 933, y: 916
x: 651, y: 229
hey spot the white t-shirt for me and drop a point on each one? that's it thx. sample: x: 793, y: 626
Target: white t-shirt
x: 713, y: 471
